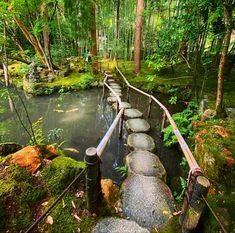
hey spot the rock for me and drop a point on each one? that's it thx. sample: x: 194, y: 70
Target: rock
x: 147, y: 201
x: 113, y: 95
x: 111, y: 80
x: 111, y: 100
x: 117, y: 225
x: 140, y: 141
x: 124, y: 104
x: 114, y: 85
x: 146, y: 164
x: 110, y: 192
x: 31, y: 157
x: 208, y: 114
x: 230, y: 112
x: 133, y: 113
x: 8, y: 148
x: 137, y: 126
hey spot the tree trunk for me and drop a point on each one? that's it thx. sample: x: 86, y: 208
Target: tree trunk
x: 117, y: 26
x: 223, y: 59
x: 138, y: 33
x: 5, y: 60
x: 93, y: 38
x: 46, y: 35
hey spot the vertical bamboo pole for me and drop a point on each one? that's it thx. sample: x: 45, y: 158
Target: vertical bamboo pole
x: 121, y: 125
x: 163, y: 121
x: 194, y: 204
x: 93, y: 180
x: 150, y: 106
x: 128, y: 94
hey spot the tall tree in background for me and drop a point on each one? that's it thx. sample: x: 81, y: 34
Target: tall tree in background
x: 93, y: 37
x: 223, y: 60
x: 138, y: 35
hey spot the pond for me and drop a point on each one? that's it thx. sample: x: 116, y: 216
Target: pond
x: 82, y: 118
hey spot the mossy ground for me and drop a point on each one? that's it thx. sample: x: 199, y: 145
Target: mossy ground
x: 22, y: 194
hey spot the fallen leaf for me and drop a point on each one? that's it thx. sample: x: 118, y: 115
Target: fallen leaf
x: 75, y: 216
x: 79, y: 194
x: 165, y: 212
x: 44, y: 203
x: 177, y: 213
x: 63, y: 203
x: 49, y: 220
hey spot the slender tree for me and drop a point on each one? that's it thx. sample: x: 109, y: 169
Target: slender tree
x: 138, y: 35
x: 223, y: 60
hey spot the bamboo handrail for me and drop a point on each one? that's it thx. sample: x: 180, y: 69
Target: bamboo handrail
x: 186, y: 151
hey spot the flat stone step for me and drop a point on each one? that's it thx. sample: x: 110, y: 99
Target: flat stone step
x: 117, y: 93
x: 132, y: 113
x: 118, y: 225
x: 137, y: 126
x: 147, y: 201
x: 117, y: 90
x: 114, y: 85
x: 145, y: 163
x: 140, y: 141
x: 124, y: 104
x: 111, y: 100
x: 111, y: 80
x: 109, y: 75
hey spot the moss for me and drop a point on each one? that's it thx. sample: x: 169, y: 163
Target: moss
x: 60, y: 172
x: 172, y: 226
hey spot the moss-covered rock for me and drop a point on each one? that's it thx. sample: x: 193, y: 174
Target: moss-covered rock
x: 60, y: 172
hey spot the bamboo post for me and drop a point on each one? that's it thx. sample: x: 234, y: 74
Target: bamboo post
x: 128, y: 94
x: 117, y: 109
x: 150, y: 106
x: 163, y: 121
x: 194, y: 204
x: 93, y: 180
x: 121, y: 125
x: 103, y: 94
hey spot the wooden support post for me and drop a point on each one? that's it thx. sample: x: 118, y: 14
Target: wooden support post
x: 194, y: 204
x: 103, y: 91
x: 117, y: 110
x: 163, y: 121
x: 121, y: 125
x: 128, y: 94
x: 150, y: 106
x: 93, y: 180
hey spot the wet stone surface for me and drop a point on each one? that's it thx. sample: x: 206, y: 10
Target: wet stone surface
x: 124, y: 104
x: 133, y: 113
x: 137, y: 126
x: 147, y: 201
x: 140, y: 141
x: 117, y: 225
x: 145, y: 163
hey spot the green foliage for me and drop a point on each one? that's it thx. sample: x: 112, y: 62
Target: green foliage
x: 173, y: 100
x: 38, y: 133
x: 55, y: 135
x: 122, y: 170
x: 183, y: 121
x: 179, y: 196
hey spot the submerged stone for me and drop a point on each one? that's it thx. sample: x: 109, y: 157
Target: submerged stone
x: 140, y: 141
x: 137, y: 126
x: 117, y: 225
x: 132, y: 113
x: 124, y: 104
x: 146, y: 164
x: 147, y: 201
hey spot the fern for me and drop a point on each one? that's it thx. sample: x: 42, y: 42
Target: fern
x: 122, y: 170
x: 37, y: 129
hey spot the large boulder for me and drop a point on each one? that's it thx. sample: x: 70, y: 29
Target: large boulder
x: 117, y: 225
x: 147, y: 201
x: 146, y: 164
x: 140, y: 141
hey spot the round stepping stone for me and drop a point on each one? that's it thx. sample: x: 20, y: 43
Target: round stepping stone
x: 147, y: 200
x: 118, y: 225
x: 132, y: 113
x: 111, y: 80
x: 118, y: 90
x: 145, y: 163
x: 114, y: 85
x: 137, y: 126
x: 124, y: 104
x: 111, y: 100
x: 117, y: 93
x: 140, y: 141
x: 109, y: 75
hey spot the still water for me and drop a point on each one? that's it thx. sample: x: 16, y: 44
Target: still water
x: 83, y: 118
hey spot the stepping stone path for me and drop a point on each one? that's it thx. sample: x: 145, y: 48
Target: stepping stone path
x: 147, y: 201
